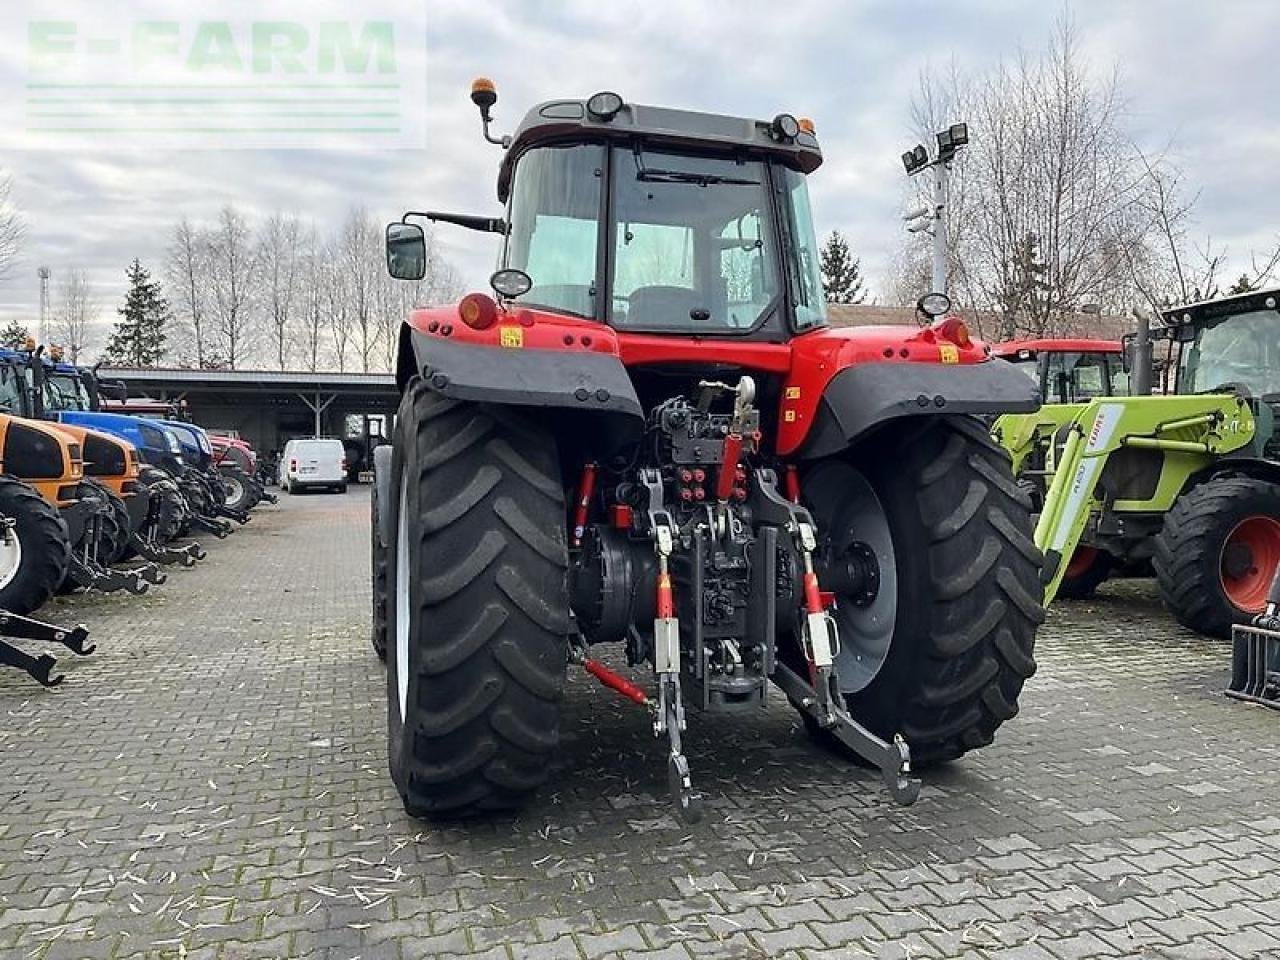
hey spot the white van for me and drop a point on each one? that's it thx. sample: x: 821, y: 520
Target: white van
x: 313, y: 464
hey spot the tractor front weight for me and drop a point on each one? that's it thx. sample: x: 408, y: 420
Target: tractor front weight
x: 1255, y: 655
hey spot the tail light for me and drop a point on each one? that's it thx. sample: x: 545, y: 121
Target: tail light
x: 342, y: 464
x: 478, y: 311
x: 293, y: 465
x: 954, y: 329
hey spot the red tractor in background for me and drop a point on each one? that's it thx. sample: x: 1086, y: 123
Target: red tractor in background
x: 650, y: 437
x: 1069, y: 370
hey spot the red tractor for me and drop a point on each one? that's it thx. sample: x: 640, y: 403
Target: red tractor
x: 650, y: 437
x: 1070, y: 370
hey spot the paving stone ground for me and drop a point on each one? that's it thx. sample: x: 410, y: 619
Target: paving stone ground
x: 212, y: 784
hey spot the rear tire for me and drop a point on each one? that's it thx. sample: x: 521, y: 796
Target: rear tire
x: 1213, y: 572
x: 236, y: 489
x: 964, y: 573
x: 378, y: 564
x: 478, y: 611
x: 42, y: 552
x: 1089, y: 569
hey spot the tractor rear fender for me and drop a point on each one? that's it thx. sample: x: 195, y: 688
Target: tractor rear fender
x: 511, y: 367
x: 861, y: 398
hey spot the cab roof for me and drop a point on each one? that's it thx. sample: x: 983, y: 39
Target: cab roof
x: 1011, y: 348
x: 658, y: 127
x: 1206, y: 310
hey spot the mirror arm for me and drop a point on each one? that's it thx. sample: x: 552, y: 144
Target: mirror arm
x: 482, y: 224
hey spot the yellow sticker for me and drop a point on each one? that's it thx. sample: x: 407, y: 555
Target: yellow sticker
x: 949, y: 353
x: 793, y: 393
x: 512, y: 337
x: 789, y: 416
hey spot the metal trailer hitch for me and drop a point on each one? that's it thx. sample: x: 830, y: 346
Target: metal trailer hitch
x: 892, y: 759
x: 186, y: 555
x: 267, y: 497
x: 39, y: 668
x: 239, y: 516
x: 777, y: 517
x: 820, y: 697
x: 92, y: 576
x: 219, y: 528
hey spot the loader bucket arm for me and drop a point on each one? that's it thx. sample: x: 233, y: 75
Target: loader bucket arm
x: 1202, y: 425
x: 1022, y: 434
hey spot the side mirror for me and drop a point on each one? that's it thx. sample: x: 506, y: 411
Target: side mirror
x: 406, y: 251
x: 114, y: 389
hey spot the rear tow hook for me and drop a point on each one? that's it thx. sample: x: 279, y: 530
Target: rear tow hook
x: 892, y: 758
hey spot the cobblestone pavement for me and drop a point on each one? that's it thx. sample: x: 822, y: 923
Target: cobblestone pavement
x: 212, y: 783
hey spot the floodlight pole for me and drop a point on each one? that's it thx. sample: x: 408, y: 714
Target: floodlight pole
x: 940, y: 169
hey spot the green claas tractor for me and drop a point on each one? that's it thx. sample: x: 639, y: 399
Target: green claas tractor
x: 1069, y: 372
x: 651, y: 440
x: 1189, y: 480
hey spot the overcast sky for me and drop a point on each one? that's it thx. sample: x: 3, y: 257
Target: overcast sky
x: 1202, y: 74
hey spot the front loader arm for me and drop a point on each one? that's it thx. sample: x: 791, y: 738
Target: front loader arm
x: 1024, y: 434
x: 1199, y: 426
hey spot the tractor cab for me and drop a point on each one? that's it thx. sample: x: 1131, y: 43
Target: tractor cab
x: 1069, y: 370
x: 654, y: 220
x: 1231, y: 345
x: 1221, y: 346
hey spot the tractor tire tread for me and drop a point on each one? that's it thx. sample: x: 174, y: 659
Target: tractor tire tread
x: 46, y: 547
x: 1189, y: 546
x: 482, y: 722
x: 986, y: 589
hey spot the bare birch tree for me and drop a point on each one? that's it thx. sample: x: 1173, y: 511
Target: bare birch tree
x: 188, y: 272
x: 337, y: 302
x: 360, y: 252
x: 73, y: 314
x: 12, y: 229
x: 313, y: 271
x: 235, y: 276
x: 279, y: 258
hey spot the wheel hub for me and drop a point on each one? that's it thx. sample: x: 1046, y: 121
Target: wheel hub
x: 1249, y: 561
x: 854, y: 575
x: 10, y: 557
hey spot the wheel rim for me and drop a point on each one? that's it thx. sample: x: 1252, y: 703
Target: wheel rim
x: 10, y: 558
x: 402, y: 601
x: 1249, y: 560
x: 848, y: 511
x: 234, y: 491
x: 1081, y: 561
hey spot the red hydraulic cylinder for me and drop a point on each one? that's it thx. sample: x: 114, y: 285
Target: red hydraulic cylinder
x: 791, y: 483
x: 728, y: 466
x: 615, y: 681
x: 586, y: 490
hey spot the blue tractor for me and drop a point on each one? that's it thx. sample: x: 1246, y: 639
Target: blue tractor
x: 70, y: 395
